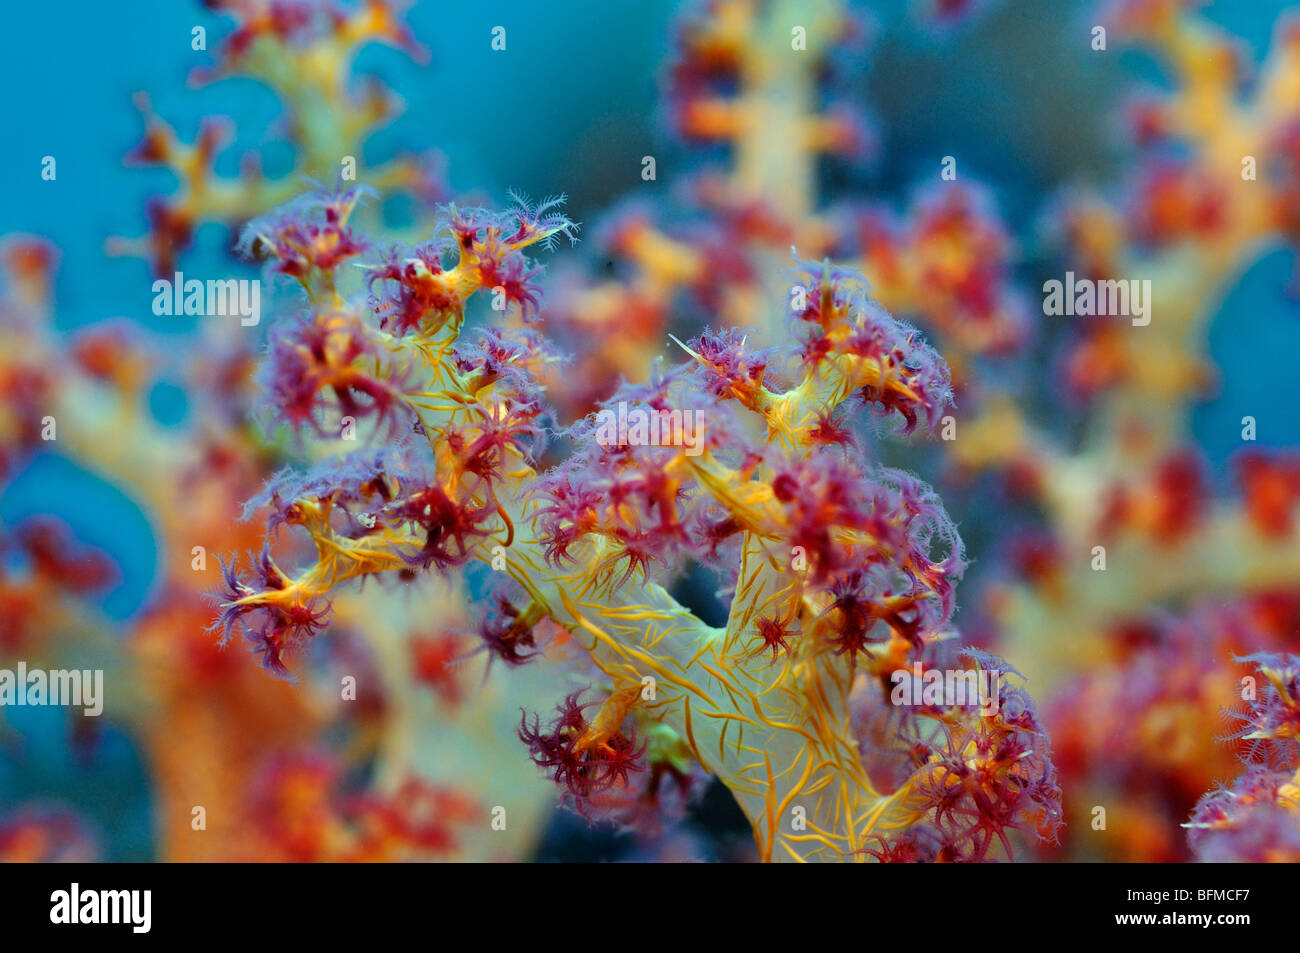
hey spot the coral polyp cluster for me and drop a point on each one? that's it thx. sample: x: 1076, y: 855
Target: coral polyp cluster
x: 1256, y: 818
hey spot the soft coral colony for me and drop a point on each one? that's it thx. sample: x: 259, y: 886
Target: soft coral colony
x: 334, y: 352
x: 947, y: 267
x: 840, y: 572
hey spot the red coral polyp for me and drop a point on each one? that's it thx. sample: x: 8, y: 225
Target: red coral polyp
x: 583, y: 770
x: 418, y: 288
x: 272, y: 629
x: 325, y: 363
x: 731, y: 370
x: 508, y: 635
x: 307, y: 236
x: 451, y: 527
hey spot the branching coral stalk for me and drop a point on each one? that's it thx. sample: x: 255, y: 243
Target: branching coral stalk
x: 304, y: 51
